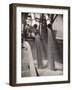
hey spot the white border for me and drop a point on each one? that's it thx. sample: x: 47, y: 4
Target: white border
x: 63, y: 77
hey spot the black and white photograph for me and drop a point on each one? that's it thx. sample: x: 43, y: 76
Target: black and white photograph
x: 41, y: 44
